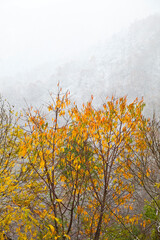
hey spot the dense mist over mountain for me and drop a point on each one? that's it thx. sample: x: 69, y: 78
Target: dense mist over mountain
x: 127, y: 64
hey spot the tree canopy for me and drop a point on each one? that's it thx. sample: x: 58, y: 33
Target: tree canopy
x: 70, y: 173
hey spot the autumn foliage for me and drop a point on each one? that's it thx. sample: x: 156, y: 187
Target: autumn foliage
x: 71, y: 173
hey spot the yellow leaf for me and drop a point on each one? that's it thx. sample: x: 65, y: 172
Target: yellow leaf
x: 52, y: 228
x: 65, y: 235
x: 59, y: 200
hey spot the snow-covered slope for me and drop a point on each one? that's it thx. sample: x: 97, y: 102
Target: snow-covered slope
x: 127, y: 64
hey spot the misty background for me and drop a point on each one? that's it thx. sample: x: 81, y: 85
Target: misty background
x: 99, y: 47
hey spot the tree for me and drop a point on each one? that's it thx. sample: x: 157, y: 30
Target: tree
x: 76, y: 169
x: 9, y: 132
x: 146, y: 173
x: 112, y: 133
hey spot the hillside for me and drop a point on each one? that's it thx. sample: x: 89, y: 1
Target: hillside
x: 127, y: 64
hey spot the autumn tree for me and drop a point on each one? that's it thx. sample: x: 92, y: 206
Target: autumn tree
x: 42, y: 149
x: 146, y: 174
x: 76, y: 178
x: 9, y: 132
x: 111, y: 134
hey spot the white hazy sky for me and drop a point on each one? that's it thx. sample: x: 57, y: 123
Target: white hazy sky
x: 33, y: 32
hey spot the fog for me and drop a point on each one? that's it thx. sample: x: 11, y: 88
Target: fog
x: 37, y: 32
